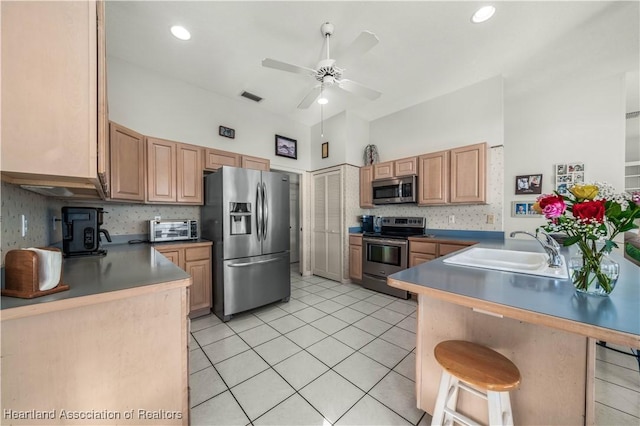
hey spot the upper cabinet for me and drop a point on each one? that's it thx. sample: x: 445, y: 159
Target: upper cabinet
x: 406, y: 167
x: 127, y: 161
x: 433, y: 171
x: 468, y: 174
x: 215, y: 158
x: 366, y: 192
x: 383, y: 170
x: 174, y: 172
x: 50, y: 95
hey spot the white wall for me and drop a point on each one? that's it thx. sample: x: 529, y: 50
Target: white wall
x: 565, y: 123
x: 154, y: 105
x: 334, y: 131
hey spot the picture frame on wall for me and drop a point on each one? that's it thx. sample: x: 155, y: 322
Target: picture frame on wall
x: 286, y: 147
x: 325, y: 150
x: 529, y: 184
x: 523, y: 209
x: 568, y: 174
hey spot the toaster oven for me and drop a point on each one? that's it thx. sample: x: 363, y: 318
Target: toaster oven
x: 173, y: 230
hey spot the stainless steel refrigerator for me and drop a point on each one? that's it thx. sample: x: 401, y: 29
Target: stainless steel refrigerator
x: 246, y: 215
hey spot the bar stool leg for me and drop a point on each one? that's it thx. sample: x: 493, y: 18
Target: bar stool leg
x: 447, y: 397
x: 499, y: 408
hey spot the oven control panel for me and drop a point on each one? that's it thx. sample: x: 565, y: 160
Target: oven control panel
x: 404, y: 222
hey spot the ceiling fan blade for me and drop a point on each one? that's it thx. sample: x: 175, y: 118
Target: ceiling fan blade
x: 283, y: 66
x: 358, y: 89
x: 362, y: 44
x: 311, y: 96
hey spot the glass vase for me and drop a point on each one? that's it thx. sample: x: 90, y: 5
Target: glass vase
x: 593, y: 272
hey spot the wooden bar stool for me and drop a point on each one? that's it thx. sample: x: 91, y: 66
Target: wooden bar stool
x: 465, y: 363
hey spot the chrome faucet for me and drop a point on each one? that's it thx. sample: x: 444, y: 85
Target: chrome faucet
x: 550, y: 245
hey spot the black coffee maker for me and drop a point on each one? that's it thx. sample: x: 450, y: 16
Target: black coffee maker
x: 81, y: 231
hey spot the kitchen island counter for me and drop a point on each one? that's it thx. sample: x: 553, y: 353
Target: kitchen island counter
x: 542, y: 324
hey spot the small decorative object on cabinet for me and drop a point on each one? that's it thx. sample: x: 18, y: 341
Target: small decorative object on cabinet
x: 227, y: 132
x: 325, y: 150
x: 286, y: 147
x: 597, y: 216
x: 529, y: 184
x: 371, y: 155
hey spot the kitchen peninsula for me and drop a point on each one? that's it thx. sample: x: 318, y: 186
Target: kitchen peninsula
x: 111, y: 349
x: 547, y: 329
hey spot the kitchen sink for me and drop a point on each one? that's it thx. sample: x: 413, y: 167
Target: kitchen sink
x: 522, y: 262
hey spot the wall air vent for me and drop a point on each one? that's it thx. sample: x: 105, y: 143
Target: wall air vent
x: 251, y: 96
x: 633, y: 114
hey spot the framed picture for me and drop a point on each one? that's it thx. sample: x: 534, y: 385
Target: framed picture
x: 325, y: 150
x: 286, y: 147
x: 523, y: 209
x: 567, y: 175
x: 529, y: 184
x: 227, y: 132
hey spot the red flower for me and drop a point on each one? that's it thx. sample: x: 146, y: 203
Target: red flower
x: 589, y: 211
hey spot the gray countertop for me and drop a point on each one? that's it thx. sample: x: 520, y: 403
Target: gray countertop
x: 558, y: 298
x: 124, y: 267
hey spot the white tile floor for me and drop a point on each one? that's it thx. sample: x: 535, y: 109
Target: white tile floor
x: 334, y: 354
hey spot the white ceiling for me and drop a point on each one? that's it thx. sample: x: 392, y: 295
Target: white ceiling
x: 426, y: 48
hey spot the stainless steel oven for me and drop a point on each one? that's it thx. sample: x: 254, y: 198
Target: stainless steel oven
x: 395, y: 190
x: 387, y: 252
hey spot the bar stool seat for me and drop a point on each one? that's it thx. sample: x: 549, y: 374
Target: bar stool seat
x: 491, y: 374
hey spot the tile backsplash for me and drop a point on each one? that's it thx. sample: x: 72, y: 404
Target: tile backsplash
x: 119, y: 219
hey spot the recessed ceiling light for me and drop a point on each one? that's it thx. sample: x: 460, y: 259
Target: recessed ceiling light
x: 483, y: 14
x: 180, y: 32
x: 323, y: 101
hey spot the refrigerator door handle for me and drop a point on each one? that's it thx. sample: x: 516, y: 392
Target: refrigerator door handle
x: 258, y: 262
x: 265, y: 216
x: 258, y: 213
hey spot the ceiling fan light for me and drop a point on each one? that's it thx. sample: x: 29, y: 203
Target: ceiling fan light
x: 180, y: 32
x: 483, y: 14
x: 323, y: 101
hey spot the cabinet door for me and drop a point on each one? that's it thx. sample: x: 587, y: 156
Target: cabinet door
x: 468, y: 174
x: 355, y: 263
x: 161, y: 172
x: 406, y: 167
x: 214, y: 159
x: 383, y: 170
x: 49, y: 89
x: 200, y: 291
x: 127, y: 163
x: 189, y: 174
x: 446, y: 248
x: 366, y: 192
x: 256, y: 163
x: 433, y: 176
x: 176, y: 256
x: 103, y: 113
x: 418, y: 258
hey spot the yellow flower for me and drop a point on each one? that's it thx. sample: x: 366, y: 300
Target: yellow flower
x: 536, y: 207
x: 584, y: 192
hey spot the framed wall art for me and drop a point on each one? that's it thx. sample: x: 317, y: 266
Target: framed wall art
x: 567, y: 175
x: 523, y: 209
x: 529, y: 184
x: 325, y: 150
x: 286, y: 147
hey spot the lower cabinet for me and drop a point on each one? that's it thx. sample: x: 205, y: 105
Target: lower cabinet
x: 355, y: 258
x: 194, y: 259
x: 421, y: 251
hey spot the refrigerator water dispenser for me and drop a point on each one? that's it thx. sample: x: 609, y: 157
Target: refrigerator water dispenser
x: 240, y: 218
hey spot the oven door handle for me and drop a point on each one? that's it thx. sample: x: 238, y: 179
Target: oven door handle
x: 385, y: 241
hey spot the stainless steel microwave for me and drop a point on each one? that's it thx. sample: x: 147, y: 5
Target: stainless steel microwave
x: 173, y: 230
x: 395, y: 190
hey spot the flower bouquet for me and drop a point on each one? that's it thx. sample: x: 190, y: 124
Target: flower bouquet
x: 591, y: 216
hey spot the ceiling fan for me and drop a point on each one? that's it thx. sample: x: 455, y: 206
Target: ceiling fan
x: 327, y: 73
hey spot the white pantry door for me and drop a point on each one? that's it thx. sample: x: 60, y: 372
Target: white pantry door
x: 326, y: 235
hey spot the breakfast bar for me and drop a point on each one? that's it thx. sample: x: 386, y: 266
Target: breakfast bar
x: 542, y: 324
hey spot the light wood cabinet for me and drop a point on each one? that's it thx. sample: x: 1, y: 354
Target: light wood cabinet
x: 446, y: 248
x: 194, y: 259
x: 127, y: 163
x: 383, y: 170
x: 215, y: 158
x: 468, y: 174
x: 433, y: 175
x: 255, y: 163
x: 174, y: 172
x: 456, y: 176
x: 406, y: 167
x: 422, y: 250
x: 366, y: 192
x: 50, y: 95
x: 355, y: 257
